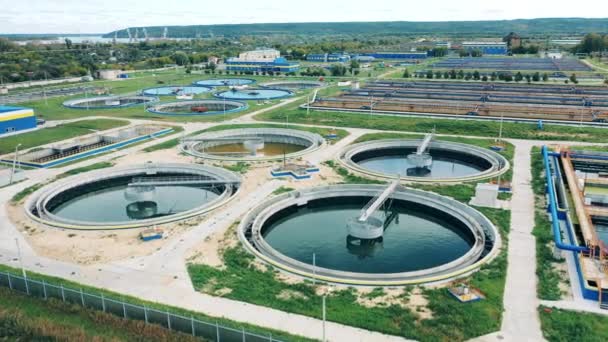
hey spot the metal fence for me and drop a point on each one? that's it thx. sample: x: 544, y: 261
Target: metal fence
x: 171, y: 321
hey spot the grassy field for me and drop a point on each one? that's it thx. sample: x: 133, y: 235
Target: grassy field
x: 451, y: 320
x: 566, y: 326
x: 24, y: 318
x: 175, y: 310
x: 442, y: 126
x: 57, y: 133
x: 549, y: 277
x: 52, y: 109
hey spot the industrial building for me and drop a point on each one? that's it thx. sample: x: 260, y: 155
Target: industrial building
x: 396, y: 55
x: 328, y: 57
x: 13, y: 119
x: 268, y: 60
x: 486, y: 48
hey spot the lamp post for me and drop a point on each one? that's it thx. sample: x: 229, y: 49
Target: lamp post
x: 14, y: 163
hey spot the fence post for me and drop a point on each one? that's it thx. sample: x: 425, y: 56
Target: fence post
x: 82, y: 297
x: 103, y: 303
x: 270, y: 337
x: 146, y: 314
x: 192, y: 324
x: 62, y: 293
x: 10, y: 283
x: 217, y: 331
x: 168, y: 320
x: 243, y: 330
x: 124, y: 310
x: 44, y: 289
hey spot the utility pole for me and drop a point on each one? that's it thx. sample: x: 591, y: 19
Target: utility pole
x: 324, y: 314
x: 14, y: 163
x: 20, y: 258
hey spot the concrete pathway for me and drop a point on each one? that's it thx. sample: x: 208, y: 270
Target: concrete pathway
x: 520, y: 320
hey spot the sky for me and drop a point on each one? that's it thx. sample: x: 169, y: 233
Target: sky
x: 102, y: 16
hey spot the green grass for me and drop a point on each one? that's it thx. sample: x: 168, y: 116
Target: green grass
x: 452, y: 320
x: 549, y: 278
x: 96, y: 166
x: 282, y: 190
x: 348, y: 177
x: 57, y: 133
x: 239, y: 167
x: 153, y: 305
x: 442, y: 126
x: 27, y: 318
x: 565, y: 326
x: 25, y: 192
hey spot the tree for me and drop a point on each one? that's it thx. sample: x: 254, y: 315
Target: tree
x: 460, y: 74
x: 508, y: 78
x: 406, y: 74
x: 518, y: 77
x: 606, y: 81
x: 468, y: 76
x: 180, y: 58
x: 68, y: 43
x: 453, y: 74
x: 493, y: 76
x: 446, y: 75
x: 429, y: 74
x: 438, y: 74
x: 338, y: 70
x: 476, y: 75
x: 211, y: 66
x: 545, y: 77
x: 484, y: 78
x: 573, y: 79
x: 536, y: 77
x: 354, y: 65
x: 528, y: 78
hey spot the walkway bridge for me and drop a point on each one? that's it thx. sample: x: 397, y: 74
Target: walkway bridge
x: 366, y: 226
x: 422, y: 159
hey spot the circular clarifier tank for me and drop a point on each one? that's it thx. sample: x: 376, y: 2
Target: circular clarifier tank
x: 133, y: 196
x: 442, y: 161
x: 426, y: 237
x: 254, y: 94
x: 176, y: 90
x: 225, y: 82
x: 108, y: 102
x: 252, y: 144
x: 197, y: 107
x: 293, y: 85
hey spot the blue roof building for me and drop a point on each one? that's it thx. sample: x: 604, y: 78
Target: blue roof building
x: 14, y: 119
x: 261, y: 61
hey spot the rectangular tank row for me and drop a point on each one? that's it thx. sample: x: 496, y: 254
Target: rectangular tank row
x: 87, y: 146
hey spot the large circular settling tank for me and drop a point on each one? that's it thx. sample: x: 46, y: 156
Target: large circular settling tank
x: 426, y: 237
x: 254, y: 94
x: 254, y: 144
x: 444, y: 161
x: 197, y: 107
x: 225, y: 82
x: 133, y: 196
x: 176, y: 90
x: 293, y: 85
x: 108, y: 102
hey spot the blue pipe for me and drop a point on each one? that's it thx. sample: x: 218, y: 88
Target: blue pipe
x: 557, y: 236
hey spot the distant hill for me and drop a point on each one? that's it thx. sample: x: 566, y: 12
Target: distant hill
x: 553, y: 26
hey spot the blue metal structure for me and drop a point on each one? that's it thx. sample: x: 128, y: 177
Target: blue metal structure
x: 277, y: 65
x: 328, y: 57
x: 13, y: 119
x: 396, y: 55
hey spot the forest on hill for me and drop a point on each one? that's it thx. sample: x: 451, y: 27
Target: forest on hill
x: 546, y: 26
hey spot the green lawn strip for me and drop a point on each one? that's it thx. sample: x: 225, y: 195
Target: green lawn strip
x: 57, y: 133
x: 96, y: 166
x: 565, y: 326
x: 443, y: 126
x: 451, y: 320
x: 161, y: 307
x: 282, y: 189
x: 28, y: 318
x: 26, y: 192
x: 549, y: 278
